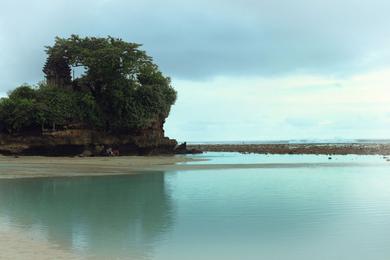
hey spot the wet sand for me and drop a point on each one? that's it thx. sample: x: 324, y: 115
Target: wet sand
x: 15, y: 244
x: 36, y: 166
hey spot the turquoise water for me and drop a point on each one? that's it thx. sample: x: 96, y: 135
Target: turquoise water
x: 277, y: 213
x: 239, y: 158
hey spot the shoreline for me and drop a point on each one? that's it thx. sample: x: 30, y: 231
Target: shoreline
x: 16, y: 243
x: 42, y: 167
x: 39, y: 166
x: 324, y: 149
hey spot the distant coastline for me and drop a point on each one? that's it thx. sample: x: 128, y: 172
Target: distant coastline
x: 296, y: 141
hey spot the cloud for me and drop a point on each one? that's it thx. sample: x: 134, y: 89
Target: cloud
x: 265, y: 108
x: 301, y: 122
x: 246, y: 69
x: 199, y: 40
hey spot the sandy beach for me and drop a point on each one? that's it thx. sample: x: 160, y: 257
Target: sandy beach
x: 17, y: 244
x: 37, y: 166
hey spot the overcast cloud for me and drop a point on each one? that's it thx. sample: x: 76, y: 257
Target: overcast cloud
x: 241, y: 43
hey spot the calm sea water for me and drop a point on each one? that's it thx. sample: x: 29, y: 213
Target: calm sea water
x: 309, y: 212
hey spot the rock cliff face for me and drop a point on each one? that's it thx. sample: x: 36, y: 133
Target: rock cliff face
x: 88, y: 142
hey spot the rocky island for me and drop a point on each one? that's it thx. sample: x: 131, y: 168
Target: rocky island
x: 100, y: 96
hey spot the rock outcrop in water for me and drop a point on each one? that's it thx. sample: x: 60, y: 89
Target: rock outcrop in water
x: 117, y: 106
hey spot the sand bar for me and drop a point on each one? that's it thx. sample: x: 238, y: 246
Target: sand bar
x: 35, y: 166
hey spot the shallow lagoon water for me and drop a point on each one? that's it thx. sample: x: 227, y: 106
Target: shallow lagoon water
x: 269, y: 213
x: 250, y: 158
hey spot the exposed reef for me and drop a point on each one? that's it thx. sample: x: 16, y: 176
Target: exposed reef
x: 340, y: 149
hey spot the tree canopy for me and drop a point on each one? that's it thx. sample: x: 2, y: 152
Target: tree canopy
x: 120, y: 90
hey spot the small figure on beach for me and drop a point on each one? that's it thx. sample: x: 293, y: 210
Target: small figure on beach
x: 112, y: 152
x: 109, y: 152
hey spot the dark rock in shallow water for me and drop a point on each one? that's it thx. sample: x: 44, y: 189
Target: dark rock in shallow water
x: 195, y: 151
x: 182, y: 149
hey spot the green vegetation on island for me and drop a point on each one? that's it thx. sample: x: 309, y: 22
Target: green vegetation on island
x: 119, y: 91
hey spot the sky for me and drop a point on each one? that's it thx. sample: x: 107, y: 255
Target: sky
x: 244, y: 70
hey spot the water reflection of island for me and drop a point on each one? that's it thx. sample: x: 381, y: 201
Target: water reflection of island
x: 108, y: 216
